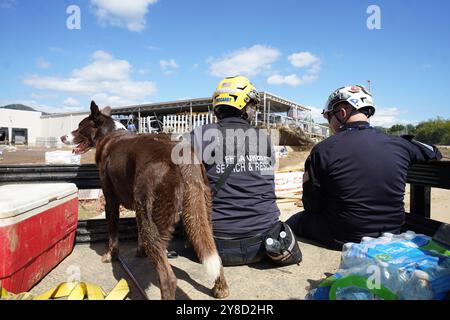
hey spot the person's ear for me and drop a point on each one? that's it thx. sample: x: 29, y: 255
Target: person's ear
x: 343, y: 112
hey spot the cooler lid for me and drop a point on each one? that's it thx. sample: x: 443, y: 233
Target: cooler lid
x: 16, y: 199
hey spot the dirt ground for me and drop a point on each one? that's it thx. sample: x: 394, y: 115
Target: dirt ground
x: 36, y: 155
x: 440, y: 203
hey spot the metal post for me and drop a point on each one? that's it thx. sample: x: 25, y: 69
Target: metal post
x: 139, y: 121
x: 421, y: 200
x: 264, y: 108
x: 191, y: 125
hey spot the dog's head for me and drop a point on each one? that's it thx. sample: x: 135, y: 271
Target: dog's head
x: 91, y: 129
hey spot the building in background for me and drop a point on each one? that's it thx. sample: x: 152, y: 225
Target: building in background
x: 178, y: 117
x: 19, y: 126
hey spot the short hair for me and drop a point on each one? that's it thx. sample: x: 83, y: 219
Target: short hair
x: 344, y: 104
x: 224, y: 111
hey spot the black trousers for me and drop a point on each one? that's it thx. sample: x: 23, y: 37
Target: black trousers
x: 315, y: 227
x: 236, y: 252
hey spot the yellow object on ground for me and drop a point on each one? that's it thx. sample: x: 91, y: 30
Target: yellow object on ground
x: 73, y: 291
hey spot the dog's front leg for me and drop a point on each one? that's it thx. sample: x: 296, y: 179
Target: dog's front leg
x: 112, y: 217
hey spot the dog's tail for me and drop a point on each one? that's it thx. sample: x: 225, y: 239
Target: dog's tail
x: 196, y: 217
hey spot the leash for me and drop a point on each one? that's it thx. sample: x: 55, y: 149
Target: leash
x: 80, y: 290
x: 130, y: 274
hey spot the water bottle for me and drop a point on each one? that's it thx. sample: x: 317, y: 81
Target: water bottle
x: 273, y: 246
x: 399, y: 264
x: 283, y: 240
x: 353, y: 255
x: 353, y: 293
x: 390, y: 277
x: 409, y: 235
x: 418, y: 287
x: 433, y: 281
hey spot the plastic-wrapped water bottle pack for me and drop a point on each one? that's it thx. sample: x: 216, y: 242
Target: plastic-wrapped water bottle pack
x: 409, y: 266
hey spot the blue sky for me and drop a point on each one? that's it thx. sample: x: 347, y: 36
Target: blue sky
x: 140, y: 51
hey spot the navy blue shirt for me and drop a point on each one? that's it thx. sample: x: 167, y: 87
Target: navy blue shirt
x: 246, y: 203
x: 357, y: 180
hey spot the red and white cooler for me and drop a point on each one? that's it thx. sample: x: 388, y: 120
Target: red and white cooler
x: 38, y: 223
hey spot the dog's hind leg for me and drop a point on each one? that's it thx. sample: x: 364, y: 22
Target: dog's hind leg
x: 112, y: 217
x: 140, y: 251
x: 197, y: 221
x: 155, y: 247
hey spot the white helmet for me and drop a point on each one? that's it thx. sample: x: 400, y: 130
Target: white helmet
x: 357, y: 96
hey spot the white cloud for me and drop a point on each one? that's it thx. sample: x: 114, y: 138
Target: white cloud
x: 143, y: 72
x: 299, y: 60
x: 105, y: 77
x: 129, y: 14
x: 168, y: 66
x: 316, y: 114
x: 104, y: 67
x: 43, y: 64
x: 387, y: 117
x: 291, y: 80
x: 303, y: 59
x: 69, y: 105
x: 384, y: 117
x: 40, y: 96
x: 71, y: 102
x: 247, y: 61
x: 72, y: 85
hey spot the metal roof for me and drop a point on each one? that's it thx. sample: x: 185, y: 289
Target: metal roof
x: 277, y: 104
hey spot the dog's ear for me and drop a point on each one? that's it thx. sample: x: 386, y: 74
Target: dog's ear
x: 106, y: 111
x: 94, y: 108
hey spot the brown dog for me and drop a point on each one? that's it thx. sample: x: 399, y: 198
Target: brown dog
x: 137, y: 171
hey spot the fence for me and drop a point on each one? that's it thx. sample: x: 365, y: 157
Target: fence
x: 48, y: 142
x: 185, y: 123
x: 149, y: 124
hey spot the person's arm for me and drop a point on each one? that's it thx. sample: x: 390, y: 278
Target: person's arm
x: 313, y: 200
x: 422, y: 152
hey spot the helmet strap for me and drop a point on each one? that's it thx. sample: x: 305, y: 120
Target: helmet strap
x: 248, y: 113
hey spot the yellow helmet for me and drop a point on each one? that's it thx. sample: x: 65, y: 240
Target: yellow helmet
x: 236, y: 92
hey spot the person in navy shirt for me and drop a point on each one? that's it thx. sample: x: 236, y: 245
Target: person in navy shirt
x: 239, y: 161
x: 354, y: 182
